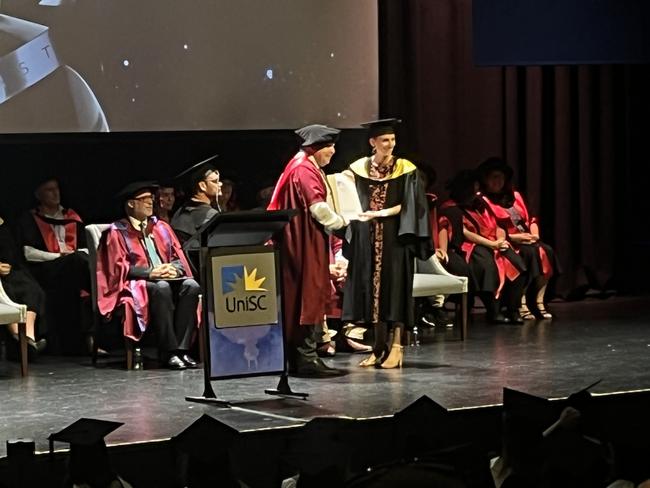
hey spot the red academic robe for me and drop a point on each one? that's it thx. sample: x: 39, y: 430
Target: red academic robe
x: 119, y: 249
x: 503, y: 220
x: 335, y: 302
x: 303, y: 244
x: 47, y: 232
x: 482, y: 222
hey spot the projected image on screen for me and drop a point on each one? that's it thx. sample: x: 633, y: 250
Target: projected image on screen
x: 120, y: 65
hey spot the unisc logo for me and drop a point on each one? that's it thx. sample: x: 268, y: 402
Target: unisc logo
x: 242, y: 290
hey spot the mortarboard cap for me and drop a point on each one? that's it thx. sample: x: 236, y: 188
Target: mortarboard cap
x: 317, y: 134
x: 381, y: 127
x: 581, y: 397
x: 189, y: 177
x: 85, y: 432
x: 424, y: 426
x: 132, y: 189
x: 539, y: 411
x: 167, y: 182
x: 493, y: 164
x: 206, y: 439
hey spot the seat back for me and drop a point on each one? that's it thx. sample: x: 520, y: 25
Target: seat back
x: 10, y: 311
x: 93, y: 235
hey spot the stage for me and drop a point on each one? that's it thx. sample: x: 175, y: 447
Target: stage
x: 588, y: 340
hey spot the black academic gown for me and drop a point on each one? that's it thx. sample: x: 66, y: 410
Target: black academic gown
x: 19, y: 284
x: 186, y: 222
x: 405, y: 237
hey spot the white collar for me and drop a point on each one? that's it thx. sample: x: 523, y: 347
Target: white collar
x: 138, y: 225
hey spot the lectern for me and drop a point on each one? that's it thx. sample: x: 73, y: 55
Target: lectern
x: 242, y: 299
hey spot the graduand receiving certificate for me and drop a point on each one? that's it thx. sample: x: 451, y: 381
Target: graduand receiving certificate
x: 344, y: 195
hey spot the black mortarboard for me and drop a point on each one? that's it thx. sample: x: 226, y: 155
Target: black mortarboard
x: 206, y: 439
x: 132, y: 189
x: 169, y: 182
x: 317, y: 134
x: 189, y: 177
x: 525, y: 418
x: 493, y: 164
x: 85, y: 432
x: 461, y: 186
x: 381, y: 127
x: 207, y: 442
x: 89, y: 461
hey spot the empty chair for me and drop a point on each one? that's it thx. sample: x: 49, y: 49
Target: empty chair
x: 432, y: 279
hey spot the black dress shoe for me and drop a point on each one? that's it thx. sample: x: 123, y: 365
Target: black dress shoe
x: 499, y: 318
x: 174, y: 362
x: 315, y: 368
x: 189, y: 362
x: 515, y: 319
x: 38, y: 346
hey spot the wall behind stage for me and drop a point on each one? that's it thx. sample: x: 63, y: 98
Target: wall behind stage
x: 93, y: 167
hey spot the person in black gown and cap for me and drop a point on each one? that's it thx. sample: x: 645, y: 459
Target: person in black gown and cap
x: 393, y: 230
x: 202, y: 186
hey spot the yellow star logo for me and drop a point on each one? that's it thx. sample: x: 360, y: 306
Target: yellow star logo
x: 251, y: 282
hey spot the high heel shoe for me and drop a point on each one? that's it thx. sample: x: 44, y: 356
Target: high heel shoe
x: 374, y: 360
x: 370, y: 361
x: 526, y: 314
x: 543, y: 313
x: 394, y: 359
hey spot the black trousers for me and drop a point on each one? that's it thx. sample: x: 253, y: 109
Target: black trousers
x: 172, y: 313
x: 69, y: 315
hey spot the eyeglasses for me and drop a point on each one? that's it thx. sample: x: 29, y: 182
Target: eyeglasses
x: 144, y: 198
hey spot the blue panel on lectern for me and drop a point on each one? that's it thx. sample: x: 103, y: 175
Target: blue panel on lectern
x: 246, y: 351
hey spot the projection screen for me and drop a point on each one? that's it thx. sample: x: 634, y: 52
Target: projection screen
x: 157, y: 65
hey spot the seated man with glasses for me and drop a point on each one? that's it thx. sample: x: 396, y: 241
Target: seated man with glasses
x: 141, y: 266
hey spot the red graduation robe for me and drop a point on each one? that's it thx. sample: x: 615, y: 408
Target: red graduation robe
x: 119, y: 249
x: 504, y: 219
x: 303, y: 244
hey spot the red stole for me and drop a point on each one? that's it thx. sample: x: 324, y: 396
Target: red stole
x: 71, y: 220
x: 503, y: 220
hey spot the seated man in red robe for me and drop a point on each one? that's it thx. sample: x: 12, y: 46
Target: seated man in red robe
x: 53, y: 240
x: 304, y: 247
x: 141, y: 267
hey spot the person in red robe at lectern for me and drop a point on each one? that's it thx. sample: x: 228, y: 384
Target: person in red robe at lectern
x: 141, y: 267
x: 304, y: 247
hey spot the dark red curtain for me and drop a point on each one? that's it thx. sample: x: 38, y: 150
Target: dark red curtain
x: 575, y: 135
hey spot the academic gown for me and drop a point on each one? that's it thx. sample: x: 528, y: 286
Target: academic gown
x: 303, y: 244
x: 190, y: 217
x: 539, y: 257
x: 19, y: 284
x: 186, y: 221
x: 66, y: 279
x: 404, y: 237
x: 120, y: 248
x: 480, y: 220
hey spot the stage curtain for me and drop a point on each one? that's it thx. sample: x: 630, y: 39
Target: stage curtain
x: 568, y: 131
